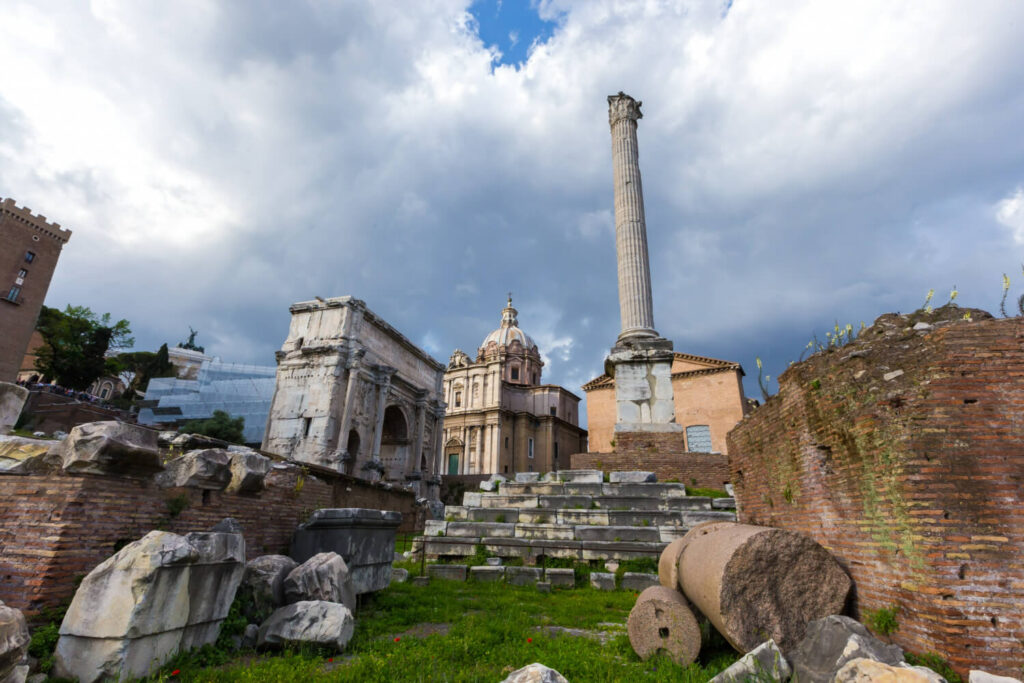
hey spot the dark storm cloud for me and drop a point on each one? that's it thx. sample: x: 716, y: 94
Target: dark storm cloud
x: 802, y: 164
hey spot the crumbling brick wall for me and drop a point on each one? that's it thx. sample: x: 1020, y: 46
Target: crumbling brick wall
x: 54, y: 528
x: 903, y: 454
x: 661, y: 453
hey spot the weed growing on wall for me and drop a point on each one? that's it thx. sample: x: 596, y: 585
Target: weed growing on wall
x: 883, y: 620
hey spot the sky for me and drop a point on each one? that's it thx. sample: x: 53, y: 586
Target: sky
x: 804, y: 163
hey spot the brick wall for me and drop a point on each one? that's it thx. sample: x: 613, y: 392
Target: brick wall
x: 48, y: 412
x: 914, y: 481
x: 55, y: 528
x: 663, y: 454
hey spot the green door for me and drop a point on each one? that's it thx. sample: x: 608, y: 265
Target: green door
x: 453, y: 463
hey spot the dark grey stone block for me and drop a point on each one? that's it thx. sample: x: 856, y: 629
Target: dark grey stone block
x: 364, y: 538
x: 448, y: 572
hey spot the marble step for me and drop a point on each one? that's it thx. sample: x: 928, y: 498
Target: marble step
x: 583, y: 502
x: 662, y: 490
x: 571, y: 532
x: 591, y: 517
x: 530, y: 549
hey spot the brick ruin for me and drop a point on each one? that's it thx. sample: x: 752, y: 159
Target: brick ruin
x: 663, y: 453
x: 55, y: 527
x: 903, y: 454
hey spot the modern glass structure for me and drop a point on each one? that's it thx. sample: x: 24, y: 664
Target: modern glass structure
x: 237, y: 389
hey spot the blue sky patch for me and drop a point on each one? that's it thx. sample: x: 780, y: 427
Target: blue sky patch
x: 512, y: 26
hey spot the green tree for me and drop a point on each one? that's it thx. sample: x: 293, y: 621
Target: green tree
x: 76, y: 343
x: 220, y: 426
x: 136, y: 368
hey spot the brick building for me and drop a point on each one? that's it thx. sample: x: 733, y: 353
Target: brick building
x: 29, y: 249
x: 708, y: 398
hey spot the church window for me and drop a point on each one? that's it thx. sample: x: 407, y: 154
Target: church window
x: 554, y: 410
x: 535, y: 378
x: 556, y: 450
x: 506, y: 442
x: 307, y: 422
x: 12, y: 294
x: 458, y: 399
x: 530, y: 454
x: 515, y: 372
x: 698, y: 439
x: 30, y: 256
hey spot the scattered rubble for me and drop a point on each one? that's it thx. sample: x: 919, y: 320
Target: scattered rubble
x: 316, y: 622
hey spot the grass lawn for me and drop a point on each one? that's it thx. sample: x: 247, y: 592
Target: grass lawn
x: 453, y: 631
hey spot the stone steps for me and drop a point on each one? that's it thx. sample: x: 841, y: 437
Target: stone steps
x: 571, y: 514
x: 619, y: 501
x: 527, y: 576
x: 591, y: 517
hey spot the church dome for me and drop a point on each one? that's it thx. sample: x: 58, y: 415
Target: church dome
x: 509, y: 330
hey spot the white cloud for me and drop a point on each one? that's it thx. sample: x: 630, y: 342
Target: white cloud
x: 1010, y: 212
x: 219, y: 160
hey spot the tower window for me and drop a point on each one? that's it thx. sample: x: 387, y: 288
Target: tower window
x: 506, y: 442
x: 515, y: 372
x: 554, y: 410
x: 307, y: 422
x: 12, y: 295
x: 458, y: 399
x: 30, y: 256
x: 530, y: 453
x: 22, y: 273
x: 556, y: 450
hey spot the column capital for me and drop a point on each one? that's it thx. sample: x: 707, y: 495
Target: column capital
x: 622, y: 106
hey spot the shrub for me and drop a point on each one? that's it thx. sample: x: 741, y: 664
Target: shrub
x: 883, y: 620
x: 220, y: 426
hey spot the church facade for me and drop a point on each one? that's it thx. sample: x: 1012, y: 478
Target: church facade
x: 500, y: 417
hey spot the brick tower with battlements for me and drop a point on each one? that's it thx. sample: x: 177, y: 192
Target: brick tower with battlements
x: 29, y: 249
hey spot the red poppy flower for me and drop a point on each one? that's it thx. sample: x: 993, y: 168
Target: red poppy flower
x: 529, y: 640
x: 176, y: 672
x: 397, y: 639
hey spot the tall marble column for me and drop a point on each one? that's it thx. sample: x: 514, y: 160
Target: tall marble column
x: 641, y: 360
x: 636, y: 306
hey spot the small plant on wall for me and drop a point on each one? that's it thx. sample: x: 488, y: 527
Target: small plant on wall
x: 883, y: 620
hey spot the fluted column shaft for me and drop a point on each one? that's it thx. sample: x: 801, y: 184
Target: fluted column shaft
x: 635, y: 303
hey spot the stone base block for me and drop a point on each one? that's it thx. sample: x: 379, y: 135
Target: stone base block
x: 365, y: 539
x: 449, y: 572
x: 487, y: 574
x: 637, y: 581
x: 561, y: 578
x: 522, y: 576
x: 602, y: 581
